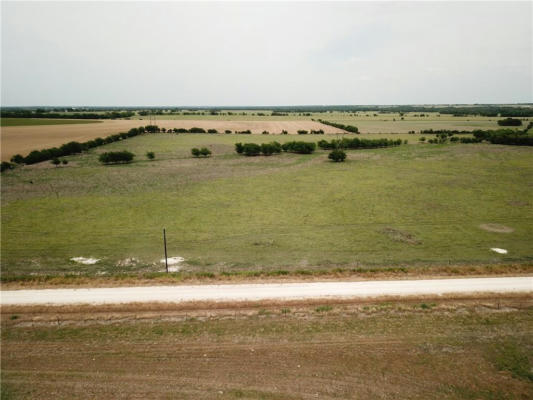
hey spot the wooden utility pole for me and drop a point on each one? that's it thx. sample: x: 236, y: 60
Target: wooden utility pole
x: 165, y: 244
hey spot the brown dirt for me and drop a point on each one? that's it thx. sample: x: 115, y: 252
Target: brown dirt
x: 496, y: 228
x: 23, y: 139
x: 357, y: 351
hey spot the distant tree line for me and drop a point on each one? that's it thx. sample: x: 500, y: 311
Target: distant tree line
x: 500, y: 136
x: 356, y: 143
x: 73, y: 115
x: 348, y: 128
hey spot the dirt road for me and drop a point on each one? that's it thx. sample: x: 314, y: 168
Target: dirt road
x: 284, y: 291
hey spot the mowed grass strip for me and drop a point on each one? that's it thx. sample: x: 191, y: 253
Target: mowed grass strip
x: 42, y: 121
x: 413, y: 204
x: 425, y: 350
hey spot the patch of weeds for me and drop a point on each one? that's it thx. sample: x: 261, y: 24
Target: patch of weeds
x: 513, y: 358
x: 427, y: 306
x: 209, y: 275
x: 157, y: 330
x: 400, y: 236
x: 263, y: 312
x: 285, y: 310
x: 13, y: 317
x: 323, y: 308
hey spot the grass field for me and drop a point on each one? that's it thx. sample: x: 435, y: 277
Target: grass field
x: 42, y: 121
x: 410, y: 205
x: 382, y: 350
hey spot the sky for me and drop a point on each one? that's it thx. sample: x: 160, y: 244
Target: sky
x: 265, y: 53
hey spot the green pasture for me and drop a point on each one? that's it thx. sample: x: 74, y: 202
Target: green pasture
x: 42, y: 121
x: 416, y: 204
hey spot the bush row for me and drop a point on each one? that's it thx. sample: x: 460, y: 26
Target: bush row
x: 312, y: 132
x: 349, y: 128
x: 357, y: 143
x: 254, y: 149
x: 116, y: 157
x: 508, y: 137
x: 510, y: 122
x: 203, y: 152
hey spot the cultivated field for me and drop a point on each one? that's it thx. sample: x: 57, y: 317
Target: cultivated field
x: 374, y: 350
x: 410, y: 205
x: 367, y: 122
x: 24, y: 139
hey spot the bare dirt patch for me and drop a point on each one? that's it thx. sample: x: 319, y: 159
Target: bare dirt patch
x: 496, y: 228
x: 423, y: 350
x: 24, y: 139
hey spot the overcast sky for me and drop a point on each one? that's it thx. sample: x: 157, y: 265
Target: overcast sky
x: 152, y: 53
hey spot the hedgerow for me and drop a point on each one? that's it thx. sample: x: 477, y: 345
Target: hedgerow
x: 357, y: 143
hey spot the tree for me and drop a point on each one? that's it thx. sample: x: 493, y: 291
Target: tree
x: 337, y: 155
x: 17, y: 159
x: 150, y: 155
x: 205, y: 152
x: 55, y: 161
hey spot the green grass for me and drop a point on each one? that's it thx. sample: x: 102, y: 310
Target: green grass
x: 288, y: 211
x: 42, y: 121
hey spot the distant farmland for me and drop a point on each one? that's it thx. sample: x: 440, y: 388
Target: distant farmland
x: 43, y: 121
x: 24, y: 139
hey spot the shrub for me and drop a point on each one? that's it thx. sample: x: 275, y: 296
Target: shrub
x: 212, y: 131
x: 181, y: 130
x: 205, y: 152
x: 239, y: 148
x: 302, y: 132
x: 299, y: 147
x: 422, y: 139
x: 150, y: 155
x: 17, y: 159
x: 284, y: 132
x: 55, y: 161
x: 227, y: 131
x: 152, y: 128
x: 337, y: 155
x: 251, y: 149
x: 64, y: 162
x: 196, y: 130
x: 267, y: 149
x: 4, y: 166
x: 116, y: 157
x: 195, y: 152
x: 265, y: 133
